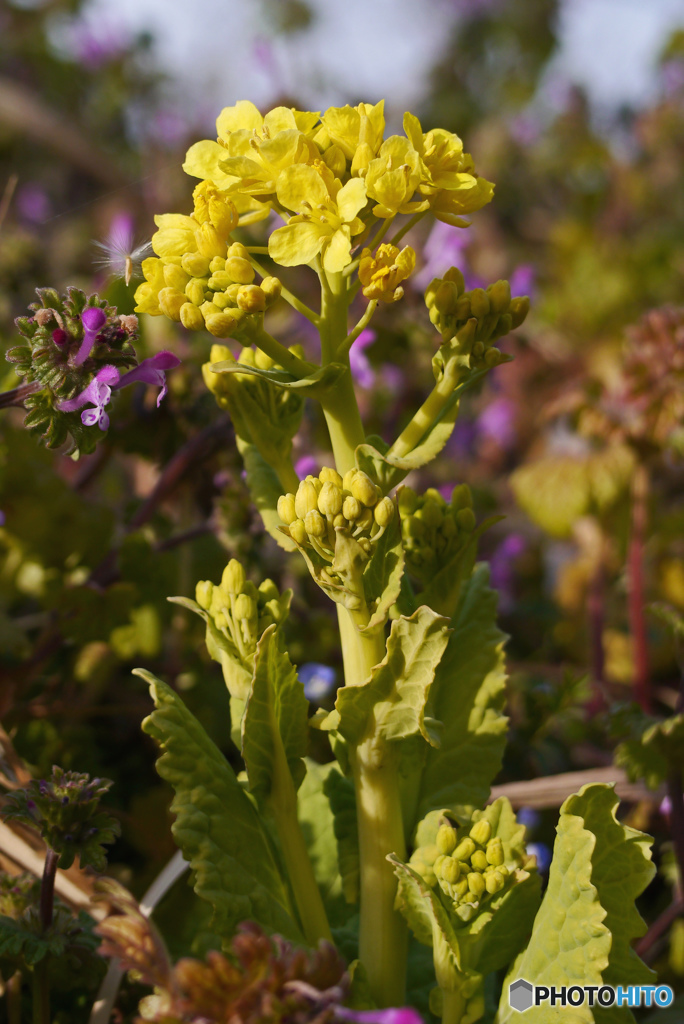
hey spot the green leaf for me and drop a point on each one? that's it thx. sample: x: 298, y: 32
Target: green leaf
x: 432, y: 442
x: 587, y: 921
x: 391, y: 704
x: 444, y: 589
x: 275, y: 722
x: 236, y: 676
x: 217, y: 826
x: 318, y: 823
x: 321, y: 380
x: 265, y: 489
x: 468, y: 696
x: 340, y: 792
x: 655, y: 751
x: 383, y: 574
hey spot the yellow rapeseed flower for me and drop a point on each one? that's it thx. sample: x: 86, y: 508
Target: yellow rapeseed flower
x: 393, y: 177
x: 325, y: 217
x: 381, y: 274
x: 356, y: 131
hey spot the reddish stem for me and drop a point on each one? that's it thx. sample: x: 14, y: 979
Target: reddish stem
x: 636, y: 588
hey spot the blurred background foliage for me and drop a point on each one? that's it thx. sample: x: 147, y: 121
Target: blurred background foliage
x: 588, y: 219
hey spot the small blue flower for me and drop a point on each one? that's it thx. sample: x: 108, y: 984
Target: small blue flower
x: 318, y: 680
x: 528, y: 817
x: 543, y: 854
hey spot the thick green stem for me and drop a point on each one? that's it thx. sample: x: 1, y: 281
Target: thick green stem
x: 453, y: 1007
x: 427, y: 415
x: 283, y: 805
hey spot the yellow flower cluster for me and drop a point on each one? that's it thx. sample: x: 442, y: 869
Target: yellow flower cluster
x: 380, y: 275
x: 326, y: 175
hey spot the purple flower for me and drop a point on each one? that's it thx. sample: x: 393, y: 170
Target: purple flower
x: 99, y: 392
x: 392, y: 1015
x: 502, y: 569
x: 306, y: 466
x: 523, y: 280
x: 318, y: 680
x: 497, y: 422
x: 93, y: 319
x: 33, y: 203
x: 360, y: 367
x: 444, y: 248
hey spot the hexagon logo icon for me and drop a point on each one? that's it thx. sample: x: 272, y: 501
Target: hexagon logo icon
x: 520, y: 995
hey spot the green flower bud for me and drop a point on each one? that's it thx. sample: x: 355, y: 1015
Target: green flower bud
x: 455, y: 275
x: 221, y: 300
x: 286, y: 508
x: 462, y: 310
x: 461, y: 887
x: 271, y: 288
x: 203, y: 594
x: 251, y: 298
x: 450, y: 870
x: 351, y: 508
x: 505, y: 325
x: 239, y: 269
x: 339, y: 522
x: 306, y: 499
x: 503, y: 870
x: 298, y: 532
x: 466, y: 911
x: 408, y: 501
x: 465, y: 517
x: 495, y: 852
x: 465, y: 849
x: 349, y: 478
x: 519, y: 308
x: 481, y: 832
x: 366, y: 546
x: 449, y: 528
x: 233, y: 578
x: 330, y: 500
x: 315, y: 524
x: 429, y: 853
x: 195, y: 265
x: 383, y: 512
x: 492, y: 358
x: 476, y: 884
x: 245, y: 607
x: 247, y: 357
x: 191, y: 317
x: 499, y: 296
x: 364, y: 489
x: 437, y: 865
x: 494, y: 881
x: 263, y: 361
x: 365, y: 520
x: 446, y: 839
x: 195, y: 289
x: 328, y: 475
x: 268, y: 591
x: 431, y: 513
x: 479, y: 860
x: 479, y: 303
x: 461, y: 496
x: 446, y: 297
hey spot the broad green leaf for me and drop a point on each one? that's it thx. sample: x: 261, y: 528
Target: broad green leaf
x: 583, y: 932
x: 340, y: 792
x: 321, y: 380
x: 265, y: 489
x: 318, y: 824
x: 391, y: 704
x: 432, y: 442
x: 656, y: 749
x: 468, y: 696
x: 275, y: 722
x: 217, y: 826
x: 383, y: 574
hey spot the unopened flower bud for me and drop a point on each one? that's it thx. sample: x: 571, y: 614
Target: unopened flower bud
x: 239, y: 250
x: 195, y: 264
x: 195, y: 290
x: 298, y: 532
x: 437, y: 864
x: 328, y: 475
x: 495, y: 852
x: 271, y: 287
x: 429, y: 853
x: 465, y: 517
x: 262, y: 360
x: 220, y: 324
x: 519, y: 308
x: 499, y: 296
x: 348, y: 478
x: 431, y: 513
x: 306, y: 499
x: 175, y: 277
x: 203, y: 594
x: 476, y: 884
x: 461, y: 886
x: 383, y: 513
x: 216, y: 264
x: 450, y: 870
x: 465, y: 849
x: 446, y: 297
x: 479, y: 860
x: 315, y: 524
x: 494, y: 882
x: 408, y: 501
x: 461, y: 496
x: 446, y: 839
x: 479, y: 303
x: 330, y: 499
x: 455, y: 275
x: 492, y: 358
x: 364, y: 489
x: 245, y: 607
x: 240, y: 270
x: 352, y: 508
x: 219, y: 280
x: 251, y: 298
x: 481, y: 832
x: 233, y: 577
x: 191, y: 317
x: 268, y: 590
x: 170, y: 302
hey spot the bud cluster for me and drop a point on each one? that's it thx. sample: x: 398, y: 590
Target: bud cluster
x: 65, y: 341
x: 240, y: 611
x: 328, y: 503
x: 64, y: 809
x: 471, y: 321
x: 433, y: 531
x: 468, y: 870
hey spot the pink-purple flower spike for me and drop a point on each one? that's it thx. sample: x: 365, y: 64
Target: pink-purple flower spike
x: 93, y: 319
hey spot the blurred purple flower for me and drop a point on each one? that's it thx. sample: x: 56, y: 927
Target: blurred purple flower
x: 543, y: 854
x: 361, y: 369
x: 672, y: 73
x: 392, y: 1015
x: 528, y: 817
x: 93, y: 319
x: 665, y: 807
x: 444, y: 248
x: 168, y: 128
x: 523, y: 280
x: 525, y: 129
x: 318, y: 680
x: 502, y: 569
x: 497, y: 422
x: 99, y: 392
x: 94, y: 48
x: 307, y: 465
x: 33, y: 203
x: 2, y: 518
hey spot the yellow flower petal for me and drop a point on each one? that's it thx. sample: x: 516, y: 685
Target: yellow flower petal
x: 203, y: 160
x: 337, y: 253
x: 296, y: 243
x: 243, y: 115
x: 299, y: 185
x: 351, y: 198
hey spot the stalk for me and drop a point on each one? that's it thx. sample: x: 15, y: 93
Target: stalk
x: 13, y: 994
x: 453, y: 1006
x: 41, y: 981
x: 383, y: 935
x: 636, y: 595
x: 427, y: 415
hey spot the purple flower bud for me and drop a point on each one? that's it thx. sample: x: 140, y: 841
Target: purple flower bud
x: 60, y: 337
x: 93, y: 319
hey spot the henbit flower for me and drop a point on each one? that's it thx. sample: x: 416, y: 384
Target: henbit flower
x: 392, y: 1015
x: 93, y: 319
x: 99, y: 392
